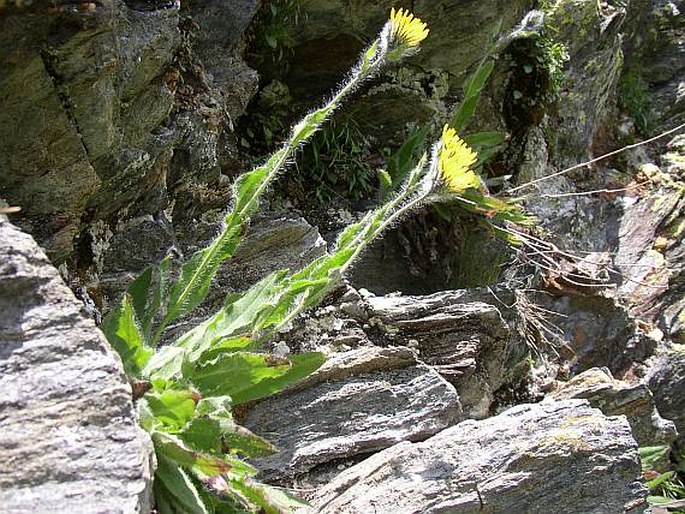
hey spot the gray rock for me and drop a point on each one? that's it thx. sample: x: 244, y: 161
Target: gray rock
x: 658, y: 56
x: 468, y: 343
x: 593, y: 39
x: 273, y: 241
x: 617, y: 397
x: 649, y: 268
x: 105, y: 116
x: 359, y: 402
x: 69, y: 437
x: 599, y: 332
x: 545, y: 458
x: 666, y: 380
x: 221, y: 23
x: 427, y: 253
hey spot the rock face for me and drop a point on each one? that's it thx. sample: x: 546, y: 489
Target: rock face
x: 110, y: 118
x: 551, y: 457
x: 657, y: 59
x: 468, y: 343
x: 359, y: 402
x: 117, y: 138
x: 83, y: 90
x: 616, y: 397
x: 666, y: 379
x: 69, y: 437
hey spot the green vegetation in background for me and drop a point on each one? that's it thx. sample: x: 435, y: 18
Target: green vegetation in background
x: 273, y: 32
x: 664, y: 487
x: 486, y: 144
x: 633, y: 98
x: 337, y: 162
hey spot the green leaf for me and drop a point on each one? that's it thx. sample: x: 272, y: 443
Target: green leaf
x: 214, y: 431
x: 271, y: 40
x: 482, y: 139
x: 243, y: 441
x: 174, y: 490
x: 302, y: 295
x: 203, y: 434
x: 348, y: 235
x: 369, y: 54
x: 473, y: 88
x: 492, y: 207
x: 650, y: 455
x: 122, y: 331
x: 467, y: 108
x: 310, y: 124
x: 229, y: 374
x: 385, y: 179
x: 163, y: 499
x: 174, y: 408
x: 138, y: 291
x: 659, y: 500
x: 443, y: 211
x: 656, y: 482
x: 247, y: 186
x: 476, y: 82
x: 196, y: 275
x: 175, y: 449
x: 402, y: 161
x: 155, y: 296
x: 230, y: 328
x: 302, y: 365
x: 215, y: 407
x: 269, y: 499
x: 166, y: 363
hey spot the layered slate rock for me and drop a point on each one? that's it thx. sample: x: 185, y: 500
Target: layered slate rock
x: 550, y: 457
x: 360, y: 401
x: 467, y: 342
x: 615, y: 397
x: 69, y: 440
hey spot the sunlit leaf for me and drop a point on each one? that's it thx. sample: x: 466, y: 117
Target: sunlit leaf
x: 174, y: 408
x: 473, y: 88
x: 302, y: 365
x: 122, y: 331
x: 231, y: 373
x: 175, y: 449
x: 269, y: 499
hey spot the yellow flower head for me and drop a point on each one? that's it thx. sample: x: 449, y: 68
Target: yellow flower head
x: 454, y: 161
x: 406, y: 29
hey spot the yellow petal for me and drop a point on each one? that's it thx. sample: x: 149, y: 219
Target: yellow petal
x: 454, y: 161
x: 406, y: 28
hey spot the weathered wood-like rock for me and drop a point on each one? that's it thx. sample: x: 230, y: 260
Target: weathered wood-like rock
x: 467, y: 343
x: 545, y: 458
x: 615, y: 397
x: 69, y: 440
x: 360, y: 401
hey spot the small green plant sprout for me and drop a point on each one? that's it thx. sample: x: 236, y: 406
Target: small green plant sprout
x: 666, y: 488
x: 186, y: 390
